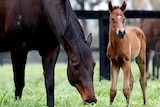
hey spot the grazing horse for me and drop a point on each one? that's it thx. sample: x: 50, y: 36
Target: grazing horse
x: 151, y: 30
x: 44, y: 25
x: 125, y: 45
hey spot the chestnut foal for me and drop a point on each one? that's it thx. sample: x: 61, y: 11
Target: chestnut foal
x: 125, y: 45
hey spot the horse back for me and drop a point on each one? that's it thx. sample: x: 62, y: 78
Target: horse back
x: 22, y: 13
x: 151, y: 30
x: 24, y: 22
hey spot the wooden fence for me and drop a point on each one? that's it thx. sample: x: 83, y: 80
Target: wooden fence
x: 103, y: 17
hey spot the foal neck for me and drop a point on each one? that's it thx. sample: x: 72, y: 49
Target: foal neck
x: 114, y: 39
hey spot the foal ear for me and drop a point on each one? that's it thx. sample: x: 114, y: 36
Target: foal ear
x: 110, y: 7
x: 89, y: 39
x: 123, y: 7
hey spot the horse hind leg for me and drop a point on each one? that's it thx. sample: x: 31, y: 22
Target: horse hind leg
x: 148, y: 53
x: 153, y: 67
x: 18, y: 57
x: 143, y: 80
x: 158, y: 72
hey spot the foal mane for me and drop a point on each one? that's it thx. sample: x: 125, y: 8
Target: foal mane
x: 74, y: 33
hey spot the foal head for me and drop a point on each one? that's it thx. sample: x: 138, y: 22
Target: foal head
x: 117, y: 19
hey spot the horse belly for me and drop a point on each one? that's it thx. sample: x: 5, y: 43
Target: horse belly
x: 135, y: 49
x: 134, y: 40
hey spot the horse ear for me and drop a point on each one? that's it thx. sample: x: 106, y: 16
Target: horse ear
x: 123, y: 7
x: 89, y: 39
x: 110, y: 7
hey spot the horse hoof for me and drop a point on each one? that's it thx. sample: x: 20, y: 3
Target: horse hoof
x: 148, y: 75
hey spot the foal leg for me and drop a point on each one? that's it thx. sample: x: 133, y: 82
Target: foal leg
x: 18, y: 58
x: 143, y: 81
x: 114, y: 73
x: 49, y: 59
x: 131, y: 81
x: 127, y: 80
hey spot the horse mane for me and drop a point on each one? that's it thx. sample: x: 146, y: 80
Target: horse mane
x: 74, y: 32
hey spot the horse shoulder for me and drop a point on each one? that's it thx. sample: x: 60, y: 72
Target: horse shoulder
x: 135, y: 32
x: 137, y: 40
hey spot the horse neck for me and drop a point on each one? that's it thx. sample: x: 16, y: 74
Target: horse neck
x: 56, y: 14
x: 113, y: 37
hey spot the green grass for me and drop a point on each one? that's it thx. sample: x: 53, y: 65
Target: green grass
x: 67, y: 96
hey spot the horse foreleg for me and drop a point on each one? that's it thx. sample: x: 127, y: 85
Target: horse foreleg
x: 49, y: 59
x: 127, y: 81
x: 18, y: 58
x: 131, y: 81
x: 113, y: 89
x: 143, y: 80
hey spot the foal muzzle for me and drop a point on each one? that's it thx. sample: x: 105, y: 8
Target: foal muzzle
x: 121, y: 33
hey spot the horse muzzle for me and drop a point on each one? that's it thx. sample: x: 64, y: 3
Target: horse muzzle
x: 90, y: 100
x: 121, y: 33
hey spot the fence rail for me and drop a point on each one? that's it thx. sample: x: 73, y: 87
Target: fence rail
x: 128, y: 14
x: 103, y: 17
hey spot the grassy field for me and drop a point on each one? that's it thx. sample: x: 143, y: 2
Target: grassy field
x: 66, y: 95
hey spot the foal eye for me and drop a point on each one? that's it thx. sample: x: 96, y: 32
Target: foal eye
x: 112, y: 20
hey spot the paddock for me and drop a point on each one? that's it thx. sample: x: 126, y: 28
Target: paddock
x: 67, y: 96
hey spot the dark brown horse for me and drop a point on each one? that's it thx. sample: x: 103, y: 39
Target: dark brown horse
x: 44, y: 25
x: 156, y: 61
x: 125, y: 45
x: 151, y: 29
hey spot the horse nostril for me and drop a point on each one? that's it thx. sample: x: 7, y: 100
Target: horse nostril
x: 124, y: 32
x: 92, y: 100
x: 121, y: 33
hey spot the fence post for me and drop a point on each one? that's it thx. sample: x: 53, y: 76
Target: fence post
x: 103, y: 37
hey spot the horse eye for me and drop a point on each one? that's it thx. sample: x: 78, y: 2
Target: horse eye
x: 113, y: 20
x: 76, y: 67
